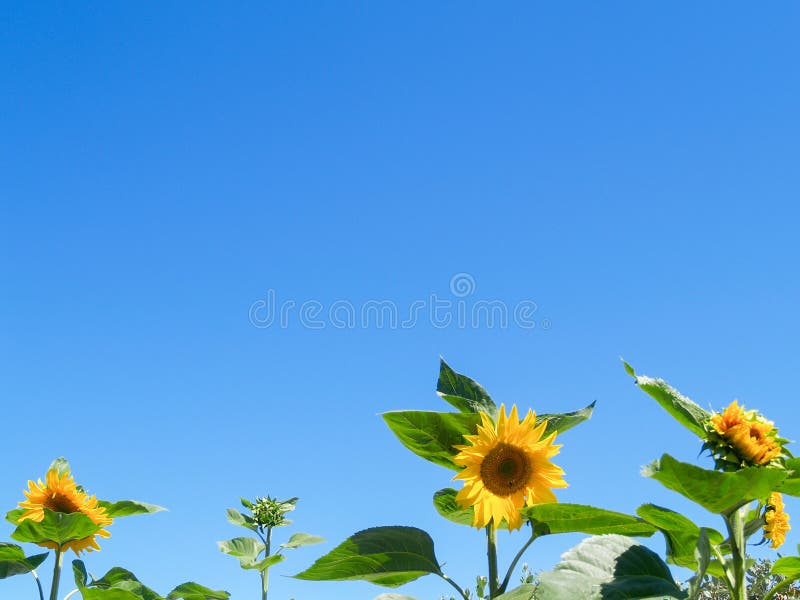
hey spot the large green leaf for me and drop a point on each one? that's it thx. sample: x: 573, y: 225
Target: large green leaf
x: 579, y: 518
x: 681, y: 534
x: 14, y: 562
x: 246, y: 549
x: 462, y: 392
x: 302, y: 539
x: 55, y: 527
x: 609, y: 567
x: 445, y: 503
x: 787, y: 566
x: 523, y: 592
x: 194, y: 591
x: 715, y: 491
x: 389, y: 556
x: 432, y: 435
x: 687, y: 412
x: 561, y: 422
x: 125, y: 508
x: 791, y: 485
x: 116, y: 584
x: 241, y: 520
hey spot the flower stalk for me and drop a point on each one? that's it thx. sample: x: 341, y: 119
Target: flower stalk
x: 56, y: 573
x: 491, y: 554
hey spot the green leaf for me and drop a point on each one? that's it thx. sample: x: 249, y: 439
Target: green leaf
x: 80, y: 574
x: 388, y: 556
x: 246, y: 503
x: 445, y: 503
x: 264, y: 563
x: 302, y: 539
x: 393, y: 597
x: 432, y: 435
x: 13, y: 516
x: 194, y: 591
x: 56, y: 527
x: 579, y: 518
x: 242, y: 547
x: 561, y: 422
x: 787, y: 566
x: 14, y: 562
x: 791, y: 485
x: 687, y: 412
x: 523, y: 592
x: 609, y: 567
x: 117, y: 584
x: 241, y: 520
x: 681, y: 535
x: 125, y: 508
x: 702, y: 556
x: 715, y: 491
x: 462, y: 392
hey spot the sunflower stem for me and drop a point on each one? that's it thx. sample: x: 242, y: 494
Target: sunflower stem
x: 514, y: 562
x: 265, y: 572
x: 735, y: 523
x: 56, y: 574
x: 491, y: 554
x: 38, y: 584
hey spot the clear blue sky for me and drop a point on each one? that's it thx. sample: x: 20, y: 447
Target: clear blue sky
x: 630, y: 167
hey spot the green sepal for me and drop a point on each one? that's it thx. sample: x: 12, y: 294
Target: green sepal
x: 609, y: 566
x: 126, y: 508
x: 432, y: 435
x: 685, y: 411
x: 14, y: 562
x: 465, y: 394
x: 715, y: 491
x: 388, y: 556
x: 56, y: 527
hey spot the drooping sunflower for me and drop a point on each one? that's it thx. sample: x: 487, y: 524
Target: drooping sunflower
x: 776, y: 521
x: 60, y: 493
x: 742, y: 438
x: 506, y: 467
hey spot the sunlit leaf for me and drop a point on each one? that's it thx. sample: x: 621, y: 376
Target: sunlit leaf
x: 680, y: 533
x: 389, y: 556
x: 432, y: 435
x: 523, y: 592
x: 194, y: 591
x: 561, y: 422
x: 14, y: 562
x: 56, y: 527
x: 125, y: 508
x: 715, y: 491
x: 302, y: 539
x: 609, y: 567
x: 462, y: 392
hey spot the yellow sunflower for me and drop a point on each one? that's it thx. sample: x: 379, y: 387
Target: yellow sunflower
x: 60, y: 494
x: 776, y: 521
x: 749, y: 435
x: 507, y: 466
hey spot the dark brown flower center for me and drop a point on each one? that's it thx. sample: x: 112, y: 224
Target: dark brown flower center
x: 62, y: 504
x: 505, y: 470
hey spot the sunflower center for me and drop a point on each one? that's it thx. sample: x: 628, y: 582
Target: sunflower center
x: 61, y: 503
x: 505, y: 470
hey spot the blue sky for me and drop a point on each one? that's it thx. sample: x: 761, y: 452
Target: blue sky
x: 630, y: 168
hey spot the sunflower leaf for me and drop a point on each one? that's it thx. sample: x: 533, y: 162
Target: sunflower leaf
x: 194, y: 591
x: 687, y: 412
x: 263, y: 564
x: 302, y: 539
x: 56, y: 527
x: 609, y: 566
x: 462, y: 392
x: 432, y: 435
x: 241, y: 519
x: 561, y: 422
x: 388, y: 556
x: 125, y: 508
x: 554, y: 517
x: 524, y: 592
x: 682, y: 536
x: 791, y: 485
x: 243, y: 548
x: 715, y: 491
x: 14, y: 562
x: 117, y: 584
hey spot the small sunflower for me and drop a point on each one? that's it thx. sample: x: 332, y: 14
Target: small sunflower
x: 60, y: 494
x: 507, y: 466
x: 776, y: 521
x: 742, y: 438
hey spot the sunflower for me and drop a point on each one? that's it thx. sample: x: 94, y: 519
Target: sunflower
x: 507, y: 466
x: 60, y: 494
x: 776, y: 521
x: 742, y: 438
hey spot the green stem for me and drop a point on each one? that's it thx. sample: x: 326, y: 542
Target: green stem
x: 56, y: 574
x: 455, y: 585
x: 514, y: 562
x: 735, y: 524
x: 38, y: 584
x: 491, y: 554
x: 778, y: 587
x: 265, y: 572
